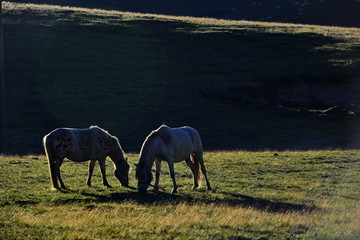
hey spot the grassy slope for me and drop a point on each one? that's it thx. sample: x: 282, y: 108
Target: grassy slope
x: 257, y: 195
x: 129, y: 73
x: 331, y: 12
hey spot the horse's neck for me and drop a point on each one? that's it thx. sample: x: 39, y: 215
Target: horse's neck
x: 117, y: 156
x: 148, y: 153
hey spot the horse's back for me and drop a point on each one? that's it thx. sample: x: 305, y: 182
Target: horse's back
x: 74, y: 144
x: 65, y: 135
x: 186, y: 140
x: 72, y: 134
x: 190, y: 133
x: 55, y: 135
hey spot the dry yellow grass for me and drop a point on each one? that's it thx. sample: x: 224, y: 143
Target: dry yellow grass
x: 132, y: 219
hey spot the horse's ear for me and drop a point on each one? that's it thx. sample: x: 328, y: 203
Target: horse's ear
x: 126, y: 159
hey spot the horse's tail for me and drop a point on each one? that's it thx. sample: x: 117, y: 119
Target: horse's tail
x: 197, y: 156
x: 51, y: 156
x: 196, y: 162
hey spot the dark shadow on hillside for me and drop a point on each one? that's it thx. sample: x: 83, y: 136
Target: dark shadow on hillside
x: 162, y: 198
x: 188, y: 76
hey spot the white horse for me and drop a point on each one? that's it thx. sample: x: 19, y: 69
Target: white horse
x: 81, y: 145
x: 171, y: 145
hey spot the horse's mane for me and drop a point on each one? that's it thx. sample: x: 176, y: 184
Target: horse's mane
x: 97, y: 127
x: 162, y: 132
x: 107, y: 133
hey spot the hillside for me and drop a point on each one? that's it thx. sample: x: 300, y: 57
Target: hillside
x: 323, y: 12
x: 243, y: 85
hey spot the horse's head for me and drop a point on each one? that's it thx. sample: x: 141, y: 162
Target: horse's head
x: 122, y: 167
x: 122, y: 173
x: 144, y: 177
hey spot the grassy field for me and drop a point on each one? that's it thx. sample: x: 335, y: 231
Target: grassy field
x: 129, y: 73
x: 256, y: 195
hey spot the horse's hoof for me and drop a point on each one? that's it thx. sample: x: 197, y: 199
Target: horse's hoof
x: 55, y: 189
x: 174, y: 191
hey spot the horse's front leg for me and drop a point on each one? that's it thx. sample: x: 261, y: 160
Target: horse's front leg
x: 103, y: 173
x: 91, y: 170
x: 172, y: 175
x: 157, y: 174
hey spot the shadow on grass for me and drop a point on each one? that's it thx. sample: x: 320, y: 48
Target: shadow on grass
x: 227, y: 199
x: 267, y: 205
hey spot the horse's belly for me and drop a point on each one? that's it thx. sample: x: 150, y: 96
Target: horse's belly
x: 183, y: 149
x: 182, y: 155
x: 81, y: 156
x: 77, y: 158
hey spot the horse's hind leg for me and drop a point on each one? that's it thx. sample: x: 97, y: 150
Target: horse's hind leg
x: 91, y: 170
x: 203, y: 169
x: 53, y: 173
x: 194, y: 171
x: 103, y: 173
x: 58, y: 165
x: 51, y: 157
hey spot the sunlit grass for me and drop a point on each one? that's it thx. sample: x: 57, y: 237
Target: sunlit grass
x: 130, y: 220
x: 273, y: 195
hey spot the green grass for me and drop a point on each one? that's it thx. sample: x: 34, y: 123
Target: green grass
x: 129, y: 73
x: 256, y: 195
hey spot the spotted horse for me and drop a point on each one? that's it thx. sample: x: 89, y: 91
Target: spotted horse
x: 80, y: 145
